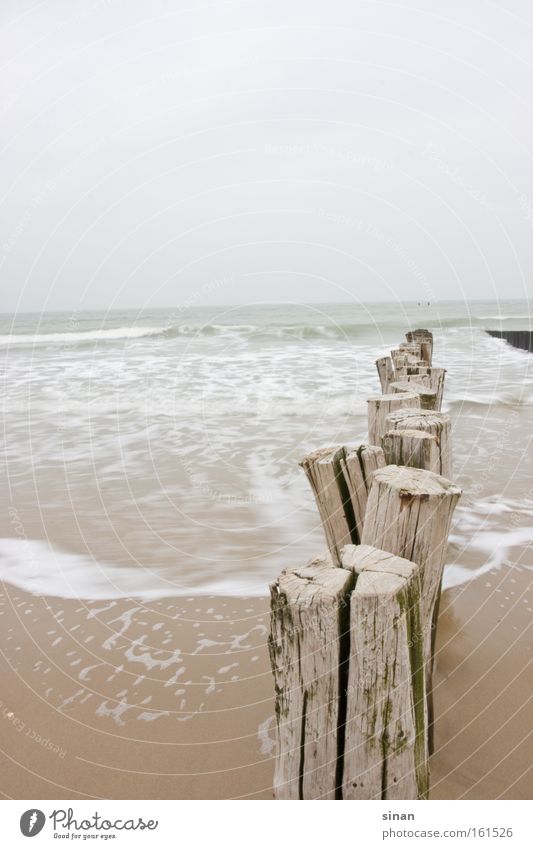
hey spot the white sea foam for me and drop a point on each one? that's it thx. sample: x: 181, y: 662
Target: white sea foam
x: 498, y: 317
x: 79, y: 337
x: 44, y: 570
x: 488, y: 531
x: 267, y: 742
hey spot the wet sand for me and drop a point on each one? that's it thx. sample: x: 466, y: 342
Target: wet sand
x: 174, y: 698
x: 483, y: 689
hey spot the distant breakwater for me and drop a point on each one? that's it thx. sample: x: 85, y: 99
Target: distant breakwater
x: 517, y: 338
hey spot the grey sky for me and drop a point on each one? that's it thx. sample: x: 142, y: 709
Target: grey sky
x: 158, y: 152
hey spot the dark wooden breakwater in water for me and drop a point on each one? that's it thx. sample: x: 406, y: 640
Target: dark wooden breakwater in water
x: 352, y: 637
x: 517, y: 338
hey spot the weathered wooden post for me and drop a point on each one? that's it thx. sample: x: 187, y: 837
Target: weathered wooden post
x: 309, y: 630
x: 416, y: 448
x: 417, y: 384
x: 385, y: 372
x: 402, y: 362
x: 437, y: 424
x: 409, y: 513
x: 413, y: 348
x: 345, y: 647
x: 358, y: 466
x: 399, y: 363
x: 415, y: 370
x: 437, y: 376
x: 324, y: 470
x: 411, y: 352
x: 379, y: 407
x: 385, y: 744
x: 340, y: 480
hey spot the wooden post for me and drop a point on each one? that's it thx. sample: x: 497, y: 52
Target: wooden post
x: 325, y: 472
x: 400, y: 368
x: 309, y: 630
x: 403, y: 357
x: 385, y: 746
x: 379, y: 407
x: 427, y: 395
x: 437, y: 424
x: 349, y: 678
x: 413, y: 348
x: 409, y: 513
x: 416, y: 448
x: 437, y: 376
x: 358, y: 466
x: 425, y: 338
x: 340, y: 480
x: 413, y: 371
x: 386, y: 372
x: 419, y: 378
x: 401, y: 362
x: 433, y: 377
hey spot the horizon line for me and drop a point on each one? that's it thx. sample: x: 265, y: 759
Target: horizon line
x: 185, y: 307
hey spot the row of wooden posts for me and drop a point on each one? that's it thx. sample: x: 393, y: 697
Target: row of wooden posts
x: 352, y: 639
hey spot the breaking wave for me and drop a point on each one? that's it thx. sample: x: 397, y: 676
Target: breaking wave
x: 250, y: 331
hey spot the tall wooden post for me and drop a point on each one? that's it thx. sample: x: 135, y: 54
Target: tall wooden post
x: 409, y: 513
x: 309, y: 628
x: 425, y: 339
x: 416, y: 448
x: 380, y: 406
x: 340, y: 480
x: 437, y: 376
x: 385, y: 372
x: 418, y: 385
x: 345, y: 648
x: 385, y: 747
x: 358, y: 467
x: 437, y: 424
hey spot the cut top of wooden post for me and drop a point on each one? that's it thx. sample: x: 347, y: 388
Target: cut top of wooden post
x: 418, y: 419
x: 366, y: 558
x: 315, y: 582
x: 409, y: 481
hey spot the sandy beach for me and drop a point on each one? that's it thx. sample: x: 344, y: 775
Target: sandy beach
x: 103, y: 704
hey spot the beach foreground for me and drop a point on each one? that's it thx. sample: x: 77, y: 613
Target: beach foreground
x: 103, y: 704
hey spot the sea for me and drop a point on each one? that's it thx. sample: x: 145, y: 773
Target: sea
x: 154, y: 453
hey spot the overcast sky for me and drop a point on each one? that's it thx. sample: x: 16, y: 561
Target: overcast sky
x: 157, y: 153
